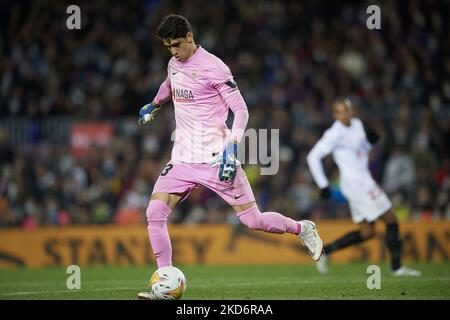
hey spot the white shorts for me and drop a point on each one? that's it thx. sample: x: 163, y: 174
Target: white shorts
x: 366, y: 199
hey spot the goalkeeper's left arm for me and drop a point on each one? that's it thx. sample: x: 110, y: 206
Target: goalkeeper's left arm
x: 228, y: 160
x: 147, y: 113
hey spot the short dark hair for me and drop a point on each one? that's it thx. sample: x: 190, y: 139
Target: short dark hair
x: 344, y: 100
x: 174, y: 26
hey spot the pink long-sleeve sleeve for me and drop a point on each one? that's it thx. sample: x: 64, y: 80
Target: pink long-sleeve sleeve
x: 164, y: 93
x: 240, y: 112
x: 234, y: 100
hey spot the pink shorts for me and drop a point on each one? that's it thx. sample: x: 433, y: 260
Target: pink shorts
x: 179, y: 177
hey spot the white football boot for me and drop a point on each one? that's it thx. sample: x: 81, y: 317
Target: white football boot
x: 322, y: 264
x: 146, y: 296
x: 311, y: 239
x: 405, y: 271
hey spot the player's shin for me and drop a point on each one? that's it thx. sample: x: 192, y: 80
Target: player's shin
x: 157, y: 215
x: 394, y: 244
x: 349, y: 239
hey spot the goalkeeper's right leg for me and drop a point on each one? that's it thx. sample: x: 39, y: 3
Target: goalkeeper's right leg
x: 157, y: 215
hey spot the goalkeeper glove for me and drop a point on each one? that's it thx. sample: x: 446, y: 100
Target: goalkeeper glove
x: 148, y: 112
x: 227, y: 163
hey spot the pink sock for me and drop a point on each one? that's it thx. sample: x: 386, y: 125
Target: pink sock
x: 272, y: 222
x: 157, y: 214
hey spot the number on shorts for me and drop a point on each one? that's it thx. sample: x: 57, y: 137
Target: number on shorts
x: 167, y: 169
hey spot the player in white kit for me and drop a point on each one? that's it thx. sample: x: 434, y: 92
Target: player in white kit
x: 350, y: 142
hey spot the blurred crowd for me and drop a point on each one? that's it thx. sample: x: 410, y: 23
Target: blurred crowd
x: 289, y: 58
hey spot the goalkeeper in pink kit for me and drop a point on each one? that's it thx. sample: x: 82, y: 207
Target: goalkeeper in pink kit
x: 203, y: 90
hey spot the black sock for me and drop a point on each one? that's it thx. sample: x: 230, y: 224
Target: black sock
x: 394, y: 244
x: 349, y: 239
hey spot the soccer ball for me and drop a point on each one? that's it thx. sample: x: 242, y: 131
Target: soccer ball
x: 168, y: 283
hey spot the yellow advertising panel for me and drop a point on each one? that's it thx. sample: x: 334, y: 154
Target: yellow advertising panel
x: 207, y: 244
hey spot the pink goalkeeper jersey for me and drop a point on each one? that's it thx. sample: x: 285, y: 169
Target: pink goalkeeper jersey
x: 202, y: 90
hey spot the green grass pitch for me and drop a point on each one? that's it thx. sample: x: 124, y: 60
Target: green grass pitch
x: 273, y: 282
